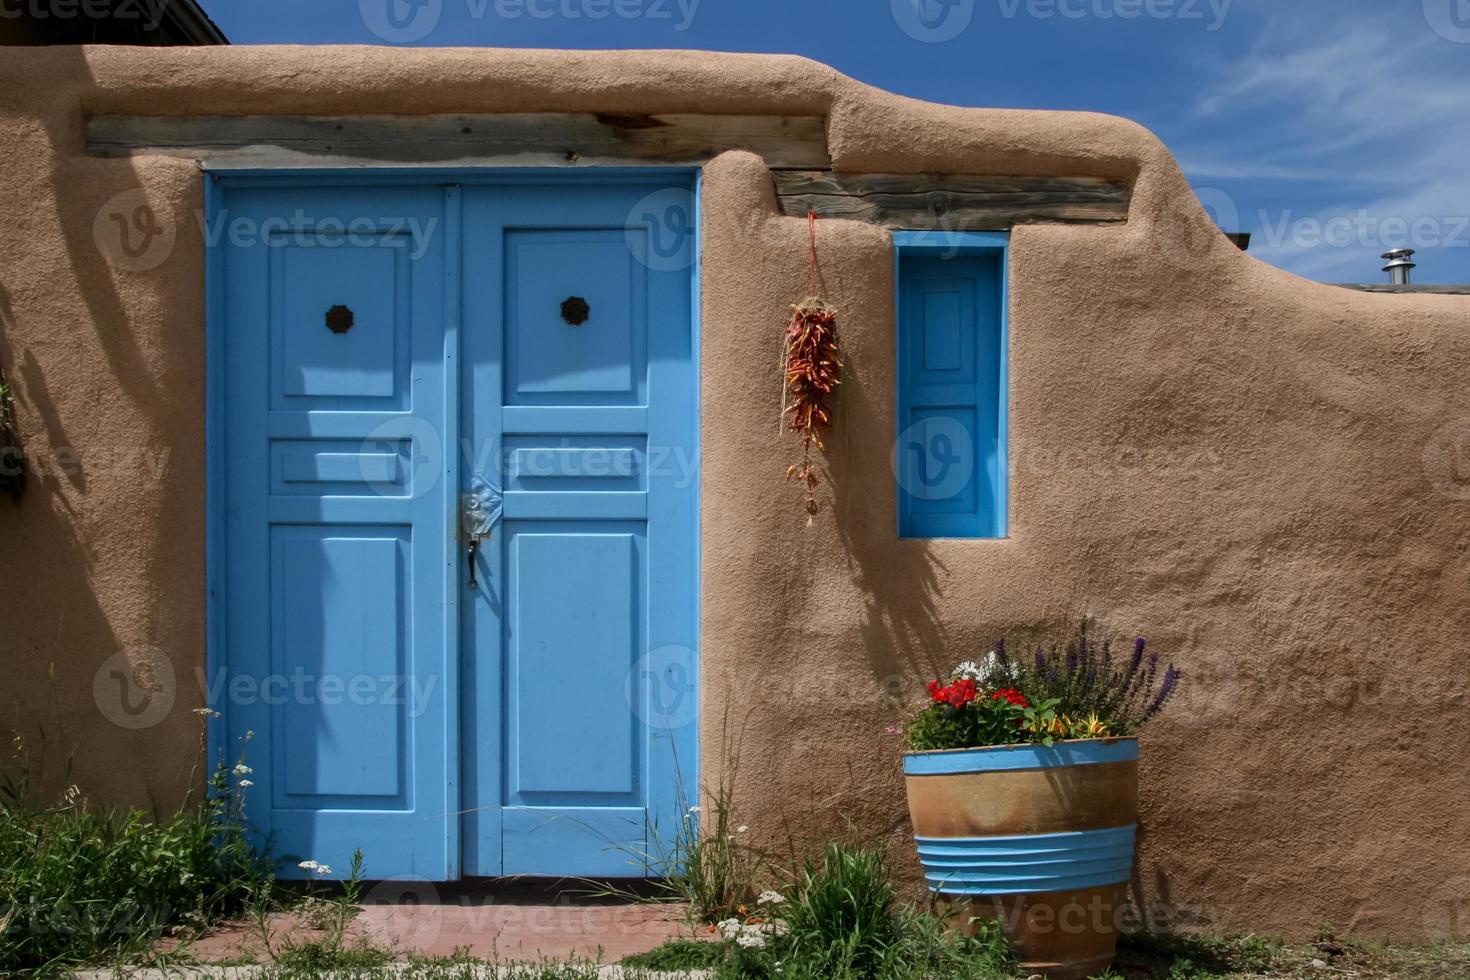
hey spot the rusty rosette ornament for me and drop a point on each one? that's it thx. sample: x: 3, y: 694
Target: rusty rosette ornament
x: 813, y: 371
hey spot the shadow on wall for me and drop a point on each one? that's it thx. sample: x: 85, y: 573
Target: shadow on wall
x: 902, y: 631
x: 53, y: 620
x: 101, y: 603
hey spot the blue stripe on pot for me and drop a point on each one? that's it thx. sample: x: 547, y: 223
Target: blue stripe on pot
x: 1013, y: 757
x: 1027, y: 862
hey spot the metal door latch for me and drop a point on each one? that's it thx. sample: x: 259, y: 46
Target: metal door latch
x: 479, y: 511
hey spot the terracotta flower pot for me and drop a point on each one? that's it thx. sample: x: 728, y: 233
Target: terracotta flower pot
x: 1038, y: 837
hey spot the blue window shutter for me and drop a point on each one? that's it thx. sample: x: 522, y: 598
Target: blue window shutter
x: 951, y: 392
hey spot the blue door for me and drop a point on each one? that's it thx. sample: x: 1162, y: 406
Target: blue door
x: 579, y: 408
x: 457, y: 474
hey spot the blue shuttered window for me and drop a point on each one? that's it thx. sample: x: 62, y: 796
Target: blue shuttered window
x: 951, y: 452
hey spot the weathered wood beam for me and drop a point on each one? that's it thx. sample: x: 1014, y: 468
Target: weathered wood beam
x: 925, y: 202
x: 537, y: 139
x: 1447, y: 289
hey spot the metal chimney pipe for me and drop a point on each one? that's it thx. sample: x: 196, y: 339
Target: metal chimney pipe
x: 1400, y: 261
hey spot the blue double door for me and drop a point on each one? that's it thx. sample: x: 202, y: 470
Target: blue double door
x: 457, y: 548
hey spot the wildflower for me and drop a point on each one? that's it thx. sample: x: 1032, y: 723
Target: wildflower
x: 729, y: 928
x: 751, y: 940
x: 241, y: 769
x: 246, y: 784
x: 312, y: 867
x: 770, y: 898
x: 894, y: 729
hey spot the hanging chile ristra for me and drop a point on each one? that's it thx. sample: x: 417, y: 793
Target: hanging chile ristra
x: 813, y: 370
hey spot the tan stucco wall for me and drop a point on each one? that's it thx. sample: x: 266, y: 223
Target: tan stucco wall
x: 1257, y: 471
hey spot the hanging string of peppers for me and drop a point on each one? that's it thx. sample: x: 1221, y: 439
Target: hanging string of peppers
x: 813, y: 370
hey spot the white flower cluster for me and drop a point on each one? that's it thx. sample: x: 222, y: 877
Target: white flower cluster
x: 752, y: 935
x: 314, y: 868
x: 988, y: 670
x: 749, y: 935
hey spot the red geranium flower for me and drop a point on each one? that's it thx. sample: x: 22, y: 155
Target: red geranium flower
x: 956, y: 695
x: 1011, y: 695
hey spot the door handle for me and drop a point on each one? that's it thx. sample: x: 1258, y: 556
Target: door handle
x: 479, y: 512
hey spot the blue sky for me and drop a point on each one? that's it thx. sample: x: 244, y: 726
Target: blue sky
x: 1331, y: 130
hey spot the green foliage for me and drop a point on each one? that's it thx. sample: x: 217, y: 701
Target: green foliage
x: 708, y: 864
x: 985, y: 721
x: 1188, y: 957
x: 840, y: 921
x: 1087, y: 680
x: 679, y: 954
x: 841, y: 912
x: 327, y: 957
x: 79, y: 885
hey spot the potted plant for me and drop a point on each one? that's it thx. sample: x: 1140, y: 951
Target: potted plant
x: 1022, y: 778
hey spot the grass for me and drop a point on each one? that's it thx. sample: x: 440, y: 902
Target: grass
x: 1253, y: 957
x: 369, y: 963
x: 81, y: 885
x: 838, y: 921
x: 679, y: 954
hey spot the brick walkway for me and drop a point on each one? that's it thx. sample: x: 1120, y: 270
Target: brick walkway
x: 500, y: 922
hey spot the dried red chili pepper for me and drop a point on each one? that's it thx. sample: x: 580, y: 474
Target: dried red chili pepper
x: 813, y: 371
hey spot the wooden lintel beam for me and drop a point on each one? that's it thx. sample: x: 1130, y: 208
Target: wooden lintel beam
x: 532, y: 139
x: 926, y: 202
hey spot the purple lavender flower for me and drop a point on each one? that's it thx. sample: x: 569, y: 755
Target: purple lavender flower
x: 1133, y: 663
x: 1166, y: 689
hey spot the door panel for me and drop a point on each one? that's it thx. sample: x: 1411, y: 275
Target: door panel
x: 574, y: 613
x: 586, y: 604
x: 336, y: 526
x: 340, y: 592
x: 600, y: 362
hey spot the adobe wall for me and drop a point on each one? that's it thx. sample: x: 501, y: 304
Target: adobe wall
x: 1266, y: 476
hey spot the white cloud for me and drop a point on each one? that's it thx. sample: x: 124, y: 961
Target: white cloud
x: 1375, y: 106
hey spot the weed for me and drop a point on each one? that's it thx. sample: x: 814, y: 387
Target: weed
x: 679, y: 954
x: 80, y: 885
